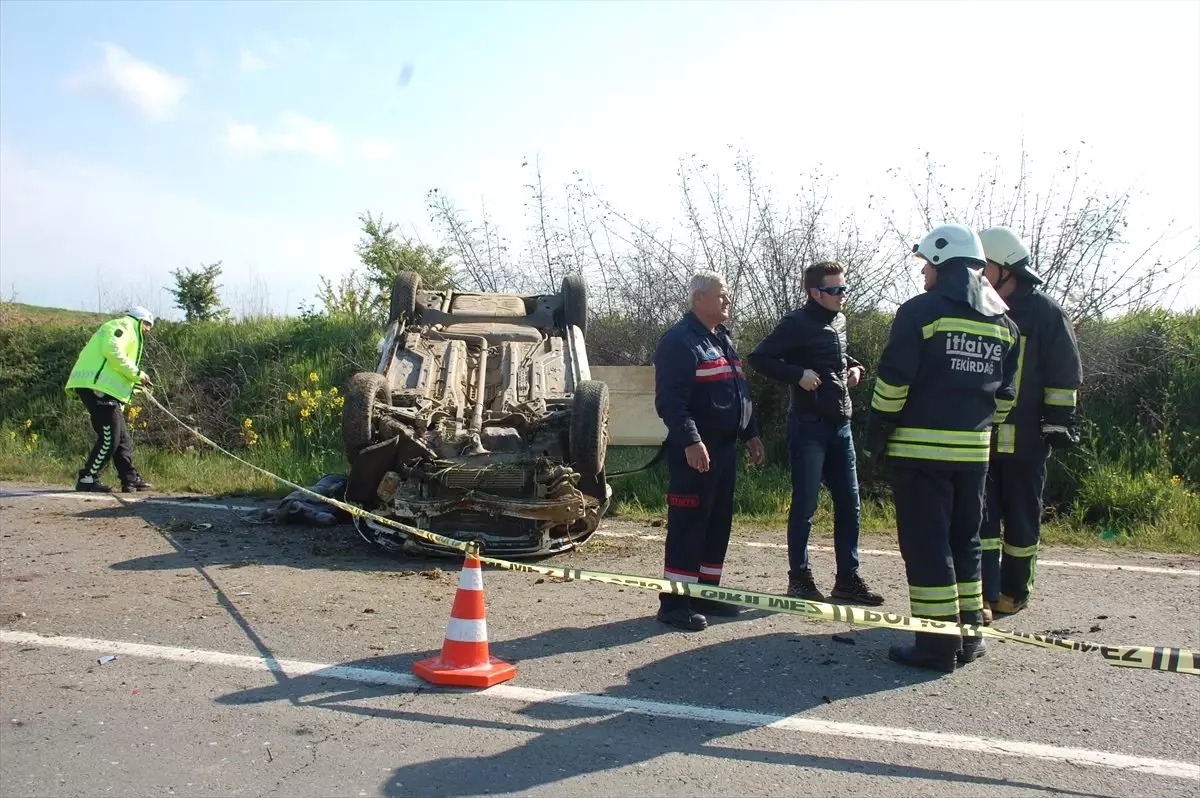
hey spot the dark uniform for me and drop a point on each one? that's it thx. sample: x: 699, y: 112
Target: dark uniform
x: 940, y: 376
x: 702, y: 396
x: 1048, y: 375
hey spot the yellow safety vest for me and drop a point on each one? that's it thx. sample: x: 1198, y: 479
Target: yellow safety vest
x: 110, y: 363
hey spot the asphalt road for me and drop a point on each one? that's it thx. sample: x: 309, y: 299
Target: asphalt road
x: 256, y: 660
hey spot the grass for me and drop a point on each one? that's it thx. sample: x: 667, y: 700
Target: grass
x: 271, y: 391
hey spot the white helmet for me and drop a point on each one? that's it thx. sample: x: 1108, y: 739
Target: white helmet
x: 141, y: 314
x: 949, y: 241
x: 1005, y: 248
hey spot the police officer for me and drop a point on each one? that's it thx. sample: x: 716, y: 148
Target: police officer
x: 950, y: 358
x: 700, y: 393
x: 1043, y: 417
x: 104, y: 377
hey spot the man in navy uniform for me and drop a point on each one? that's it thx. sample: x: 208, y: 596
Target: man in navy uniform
x: 702, y: 396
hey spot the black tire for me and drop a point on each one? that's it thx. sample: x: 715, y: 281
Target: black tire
x: 574, y: 300
x: 405, y: 288
x: 589, y: 429
x: 364, y: 391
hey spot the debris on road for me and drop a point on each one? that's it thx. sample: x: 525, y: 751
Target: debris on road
x: 107, y: 658
x: 847, y: 639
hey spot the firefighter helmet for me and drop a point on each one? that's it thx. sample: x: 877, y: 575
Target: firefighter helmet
x: 1004, y: 247
x: 949, y: 241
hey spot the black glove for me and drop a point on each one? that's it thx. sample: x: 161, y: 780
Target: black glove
x: 1059, y: 436
x: 875, y: 445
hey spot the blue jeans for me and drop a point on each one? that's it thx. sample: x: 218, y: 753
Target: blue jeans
x: 821, y: 450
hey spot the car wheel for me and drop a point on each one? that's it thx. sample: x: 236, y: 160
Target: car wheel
x: 589, y: 434
x: 404, y: 297
x: 574, y: 300
x: 364, y: 391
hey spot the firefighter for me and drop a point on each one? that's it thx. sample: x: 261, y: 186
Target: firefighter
x: 104, y: 378
x: 1042, y: 418
x: 948, y: 367
x: 700, y: 393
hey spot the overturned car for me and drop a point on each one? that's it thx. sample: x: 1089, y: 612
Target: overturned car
x: 480, y: 423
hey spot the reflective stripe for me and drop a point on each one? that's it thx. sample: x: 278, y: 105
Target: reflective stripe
x: 470, y: 579
x: 935, y: 609
x: 970, y: 596
x: 888, y: 398
x: 951, y: 445
x: 889, y: 391
x: 1020, y: 551
x: 917, y: 451
x: 986, y: 329
x: 886, y: 405
x: 1060, y: 397
x: 991, y: 544
x: 1006, y: 439
x: 956, y: 436
x: 680, y: 576
x: 467, y: 631
x: 920, y: 593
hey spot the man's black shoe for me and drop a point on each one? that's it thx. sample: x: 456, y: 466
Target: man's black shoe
x: 135, y: 483
x: 801, y: 585
x: 913, y: 656
x: 95, y: 486
x: 855, y: 590
x: 683, y: 618
x: 718, y: 608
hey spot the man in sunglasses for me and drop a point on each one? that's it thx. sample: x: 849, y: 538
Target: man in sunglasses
x: 807, y: 352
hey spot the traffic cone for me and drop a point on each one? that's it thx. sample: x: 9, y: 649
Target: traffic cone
x: 465, y: 660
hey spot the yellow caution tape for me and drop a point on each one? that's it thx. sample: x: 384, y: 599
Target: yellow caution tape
x: 1158, y: 658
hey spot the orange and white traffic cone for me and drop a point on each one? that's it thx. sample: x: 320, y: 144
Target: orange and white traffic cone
x: 465, y: 660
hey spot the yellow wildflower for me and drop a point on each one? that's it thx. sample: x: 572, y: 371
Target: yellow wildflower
x: 291, y: 397
x: 312, y: 377
x: 333, y: 391
x: 28, y: 423
x: 247, y: 424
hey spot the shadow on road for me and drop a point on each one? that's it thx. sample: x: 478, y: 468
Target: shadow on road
x: 762, y: 674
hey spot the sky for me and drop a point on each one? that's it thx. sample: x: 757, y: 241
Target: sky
x: 139, y: 138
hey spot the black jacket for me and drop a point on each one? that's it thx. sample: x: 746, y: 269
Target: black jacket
x: 700, y: 391
x: 1048, y: 375
x: 945, y: 377
x: 809, y: 337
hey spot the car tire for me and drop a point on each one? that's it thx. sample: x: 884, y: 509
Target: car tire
x: 364, y: 391
x: 574, y: 303
x: 405, y: 288
x: 589, y: 434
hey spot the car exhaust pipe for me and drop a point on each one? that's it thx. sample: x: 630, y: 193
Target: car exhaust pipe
x: 476, y: 426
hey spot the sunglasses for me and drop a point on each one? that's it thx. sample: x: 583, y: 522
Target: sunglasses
x: 834, y: 290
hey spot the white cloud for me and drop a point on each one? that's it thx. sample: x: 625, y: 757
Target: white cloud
x: 250, y: 62
x: 149, y: 89
x: 296, y: 133
x: 377, y: 149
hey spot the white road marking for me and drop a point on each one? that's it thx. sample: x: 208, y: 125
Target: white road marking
x: 603, y: 703
x: 1094, y: 566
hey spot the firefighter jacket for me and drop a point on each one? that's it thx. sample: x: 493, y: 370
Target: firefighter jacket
x: 945, y: 377
x: 1048, y: 376
x: 111, y: 360
x: 700, y: 390
x: 810, y: 337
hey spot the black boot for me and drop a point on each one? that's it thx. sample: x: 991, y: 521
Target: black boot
x: 852, y: 588
x: 134, y: 482
x: 801, y: 585
x: 91, y: 485
x: 717, y: 608
x: 676, y: 611
x: 932, y: 654
x: 972, y: 649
